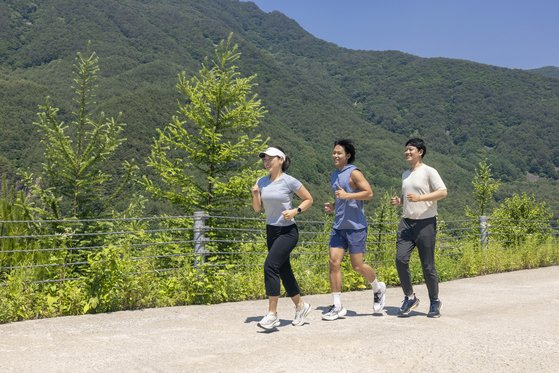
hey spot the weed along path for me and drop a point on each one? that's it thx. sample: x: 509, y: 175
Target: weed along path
x: 496, y: 323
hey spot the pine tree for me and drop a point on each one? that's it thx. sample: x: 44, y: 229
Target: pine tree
x: 383, y: 227
x: 73, y: 182
x: 205, y: 157
x: 484, y: 186
x: 484, y: 189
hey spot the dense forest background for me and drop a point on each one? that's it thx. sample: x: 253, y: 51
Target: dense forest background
x: 314, y: 92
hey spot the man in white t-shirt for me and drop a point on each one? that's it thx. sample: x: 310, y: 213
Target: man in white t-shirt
x: 422, y: 187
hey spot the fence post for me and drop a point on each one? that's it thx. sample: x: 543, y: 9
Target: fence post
x: 199, y: 237
x: 483, y: 231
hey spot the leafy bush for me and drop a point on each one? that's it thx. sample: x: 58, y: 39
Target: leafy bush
x: 520, y: 217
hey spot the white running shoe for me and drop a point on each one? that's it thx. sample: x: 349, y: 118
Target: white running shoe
x: 379, y: 298
x: 300, y: 315
x: 269, y: 321
x: 334, y: 313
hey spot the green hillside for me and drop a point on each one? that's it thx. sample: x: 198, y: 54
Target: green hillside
x: 548, y: 71
x: 314, y: 91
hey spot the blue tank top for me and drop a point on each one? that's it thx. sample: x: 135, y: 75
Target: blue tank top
x: 349, y: 213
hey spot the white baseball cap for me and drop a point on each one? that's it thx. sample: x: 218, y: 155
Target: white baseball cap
x: 273, y: 152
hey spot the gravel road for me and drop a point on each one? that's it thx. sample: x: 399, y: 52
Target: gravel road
x: 496, y: 323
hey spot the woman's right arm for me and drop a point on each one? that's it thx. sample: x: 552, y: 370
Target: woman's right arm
x: 256, y: 200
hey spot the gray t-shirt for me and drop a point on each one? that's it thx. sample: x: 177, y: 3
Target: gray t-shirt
x: 423, y: 180
x: 276, y: 197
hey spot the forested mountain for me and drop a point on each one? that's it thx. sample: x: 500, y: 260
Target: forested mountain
x: 548, y: 71
x: 313, y: 90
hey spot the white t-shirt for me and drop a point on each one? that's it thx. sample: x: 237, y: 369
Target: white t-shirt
x: 423, y: 180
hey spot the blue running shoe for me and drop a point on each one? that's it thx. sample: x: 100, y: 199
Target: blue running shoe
x: 408, y: 304
x: 435, y: 308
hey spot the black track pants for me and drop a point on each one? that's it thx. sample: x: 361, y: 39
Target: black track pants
x: 281, y: 241
x: 421, y: 234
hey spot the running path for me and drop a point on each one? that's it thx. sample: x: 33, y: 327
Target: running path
x: 497, y: 323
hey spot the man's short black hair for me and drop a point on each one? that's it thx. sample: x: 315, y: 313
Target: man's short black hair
x: 419, y: 144
x: 348, y: 147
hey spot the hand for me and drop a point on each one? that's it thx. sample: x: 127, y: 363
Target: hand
x: 395, y: 201
x: 328, y: 207
x: 289, y: 214
x: 341, y: 194
x: 413, y: 197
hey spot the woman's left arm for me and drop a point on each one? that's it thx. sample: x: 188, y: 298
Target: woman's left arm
x: 306, y: 203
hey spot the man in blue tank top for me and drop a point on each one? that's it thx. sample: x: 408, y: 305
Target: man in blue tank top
x: 349, y: 231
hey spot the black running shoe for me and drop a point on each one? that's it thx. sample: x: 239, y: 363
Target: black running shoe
x: 435, y: 308
x: 408, y: 304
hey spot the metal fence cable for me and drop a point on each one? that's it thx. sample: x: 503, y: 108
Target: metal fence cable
x: 223, y: 243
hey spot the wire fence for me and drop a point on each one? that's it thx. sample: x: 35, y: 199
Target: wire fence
x: 49, y: 251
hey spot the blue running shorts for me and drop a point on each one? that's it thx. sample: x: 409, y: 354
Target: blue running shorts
x: 352, y: 240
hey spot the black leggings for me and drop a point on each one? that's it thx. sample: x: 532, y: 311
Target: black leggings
x: 281, y: 241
